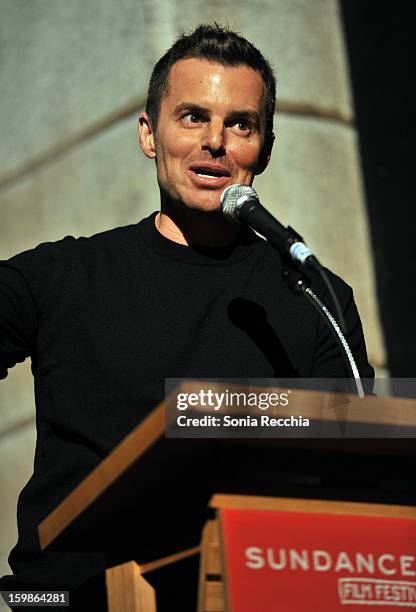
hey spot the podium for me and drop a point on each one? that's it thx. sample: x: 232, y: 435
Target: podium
x: 277, y: 554
x: 145, y: 504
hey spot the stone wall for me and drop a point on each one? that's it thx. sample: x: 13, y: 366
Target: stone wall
x: 74, y: 77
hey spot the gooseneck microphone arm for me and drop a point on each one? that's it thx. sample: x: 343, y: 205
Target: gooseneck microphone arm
x: 240, y: 204
x: 298, y: 285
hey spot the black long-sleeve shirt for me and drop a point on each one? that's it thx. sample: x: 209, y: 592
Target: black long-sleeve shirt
x: 106, y: 319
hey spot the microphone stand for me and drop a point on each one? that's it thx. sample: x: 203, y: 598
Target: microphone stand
x: 299, y: 285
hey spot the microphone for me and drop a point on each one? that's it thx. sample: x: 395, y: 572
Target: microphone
x: 241, y: 204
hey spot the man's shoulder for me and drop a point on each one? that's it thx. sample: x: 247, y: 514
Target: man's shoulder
x: 68, y: 246
x: 49, y: 265
x: 271, y: 257
x: 111, y: 236
x: 342, y: 289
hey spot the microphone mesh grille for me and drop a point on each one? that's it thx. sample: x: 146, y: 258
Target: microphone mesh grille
x: 233, y: 197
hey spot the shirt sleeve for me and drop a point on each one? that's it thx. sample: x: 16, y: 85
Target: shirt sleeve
x: 18, y: 318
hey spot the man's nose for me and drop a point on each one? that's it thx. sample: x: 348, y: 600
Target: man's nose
x: 214, y: 138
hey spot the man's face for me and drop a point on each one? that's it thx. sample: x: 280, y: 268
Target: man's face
x: 210, y: 132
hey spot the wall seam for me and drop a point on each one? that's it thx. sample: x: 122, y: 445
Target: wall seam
x: 16, y: 427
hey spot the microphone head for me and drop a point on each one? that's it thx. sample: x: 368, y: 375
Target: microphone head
x: 233, y: 197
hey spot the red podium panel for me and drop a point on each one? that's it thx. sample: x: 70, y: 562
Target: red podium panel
x: 301, y: 561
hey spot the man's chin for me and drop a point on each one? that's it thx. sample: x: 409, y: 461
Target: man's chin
x: 204, y: 207
x: 210, y: 204
x: 202, y: 200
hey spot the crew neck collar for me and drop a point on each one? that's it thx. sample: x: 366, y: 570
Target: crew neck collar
x: 217, y: 256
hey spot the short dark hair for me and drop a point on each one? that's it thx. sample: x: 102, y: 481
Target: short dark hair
x: 218, y: 44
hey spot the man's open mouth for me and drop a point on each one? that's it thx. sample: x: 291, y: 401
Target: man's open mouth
x: 210, y: 171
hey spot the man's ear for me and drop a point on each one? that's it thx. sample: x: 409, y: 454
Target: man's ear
x: 265, y: 154
x: 146, y: 135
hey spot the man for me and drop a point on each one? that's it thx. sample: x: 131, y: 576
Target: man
x: 214, y: 128
x: 183, y: 293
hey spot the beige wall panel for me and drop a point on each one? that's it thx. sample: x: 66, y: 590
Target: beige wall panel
x: 303, y: 39
x: 313, y: 183
x: 103, y: 183
x: 70, y: 64
x: 16, y: 466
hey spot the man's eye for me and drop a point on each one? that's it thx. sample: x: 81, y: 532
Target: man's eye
x: 192, y: 118
x: 242, y: 126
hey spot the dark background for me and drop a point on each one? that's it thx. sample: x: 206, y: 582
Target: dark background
x: 378, y: 38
